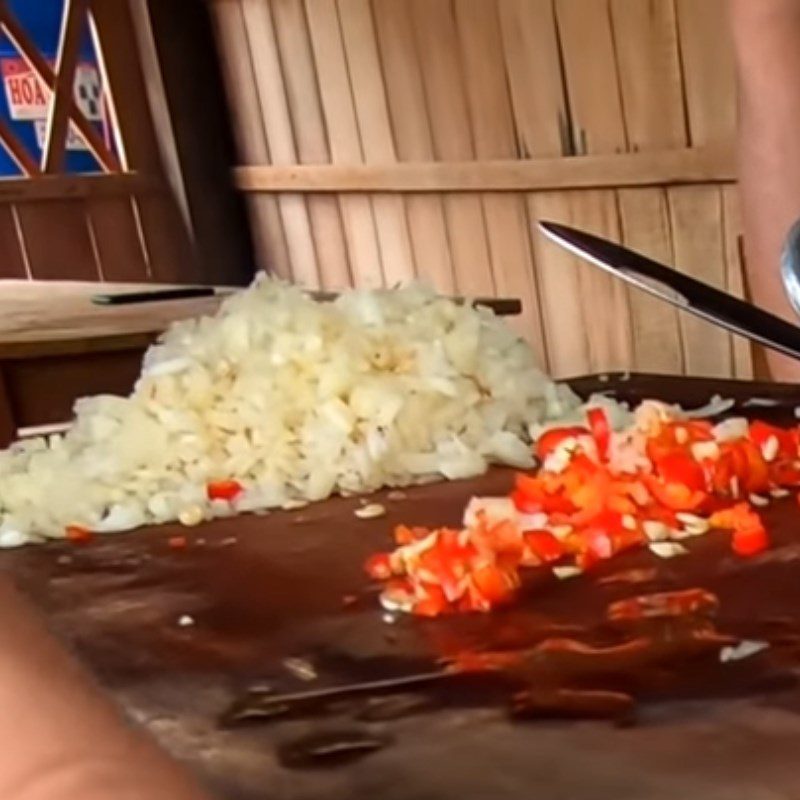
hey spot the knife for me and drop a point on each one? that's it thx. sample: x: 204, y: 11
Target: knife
x: 680, y: 290
x: 502, y: 306
x: 154, y: 296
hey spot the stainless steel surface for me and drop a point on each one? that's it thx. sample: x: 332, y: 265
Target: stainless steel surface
x: 790, y: 266
x: 688, y: 294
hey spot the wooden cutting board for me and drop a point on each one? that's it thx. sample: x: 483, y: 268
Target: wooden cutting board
x: 261, y: 590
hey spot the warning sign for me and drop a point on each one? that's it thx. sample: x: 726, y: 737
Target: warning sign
x: 28, y: 97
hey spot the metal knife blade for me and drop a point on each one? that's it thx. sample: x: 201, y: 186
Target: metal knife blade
x: 680, y: 290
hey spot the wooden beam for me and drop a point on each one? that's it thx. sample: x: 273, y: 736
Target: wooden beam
x: 57, y: 187
x: 38, y: 63
x: 55, y: 140
x: 669, y: 167
x: 17, y: 150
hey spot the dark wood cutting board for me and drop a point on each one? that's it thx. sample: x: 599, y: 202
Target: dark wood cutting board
x: 262, y: 589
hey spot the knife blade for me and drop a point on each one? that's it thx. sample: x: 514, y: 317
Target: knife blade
x: 682, y: 291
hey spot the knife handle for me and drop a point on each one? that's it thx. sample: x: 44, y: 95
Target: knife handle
x: 131, y: 298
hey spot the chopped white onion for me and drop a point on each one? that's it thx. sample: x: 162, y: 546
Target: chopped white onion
x: 744, y: 649
x: 667, y: 549
x: 731, y: 429
x: 295, y: 400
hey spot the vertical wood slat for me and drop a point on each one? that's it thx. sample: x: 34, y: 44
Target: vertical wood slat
x: 541, y: 121
x: 269, y: 240
x: 302, y: 94
x: 119, y: 245
x: 566, y: 336
x: 588, y: 46
x: 413, y: 140
x: 280, y: 137
x: 706, y: 244
x: 167, y: 240
x: 645, y: 39
x: 493, y: 126
x: 343, y: 138
x: 13, y: 261
x: 581, y: 335
x: 482, y: 79
x: 58, y: 240
x: 708, y: 71
x: 55, y: 139
x: 655, y: 326
x: 530, y: 46
x: 696, y: 218
x: 372, y: 115
x: 440, y: 60
x: 646, y: 44
x: 592, y: 82
x: 742, y: 349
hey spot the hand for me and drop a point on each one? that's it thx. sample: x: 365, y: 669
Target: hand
x: 62, y: 738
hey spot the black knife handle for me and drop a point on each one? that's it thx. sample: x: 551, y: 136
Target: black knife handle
x: 130, y: 298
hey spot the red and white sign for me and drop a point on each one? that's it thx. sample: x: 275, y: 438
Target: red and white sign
x: 28, y: 98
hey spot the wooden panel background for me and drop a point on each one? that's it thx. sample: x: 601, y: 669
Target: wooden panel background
x: 386, y: 140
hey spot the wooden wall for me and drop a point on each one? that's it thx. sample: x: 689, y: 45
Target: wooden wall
x: 386, y: 140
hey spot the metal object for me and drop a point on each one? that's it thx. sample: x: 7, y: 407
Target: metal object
x: 790, y: 266
x: 132, y: 298
x: 502, y: 306
x: 258, y: 705
x: 680, y: 290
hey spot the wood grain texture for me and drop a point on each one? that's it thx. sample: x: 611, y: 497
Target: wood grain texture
x: 645, y: 38
x: 605, y: 301
x: 530, y: 47
x: 492, y: 120
x: 714, y: 164
x: 443, y: 77
x: 709, y: 83
x: 443, y: 129
x: 413, y: 139
x: 118, y: 239
x: 343, y: 138
x: 656, y: 332
x: 58, y: 240
x: 646, y: 43
x: 12, y: 256
x: 699, y: 248
x: 598, y: 125
x: 592, y: 78
x: 566, y: 336
x: 280, y: 137
x: 587, y: 317
x: 248, y: 126
x: 308, y: 125
x: 735, y: 276
x: 170, y: 257
x: 372, y: 114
